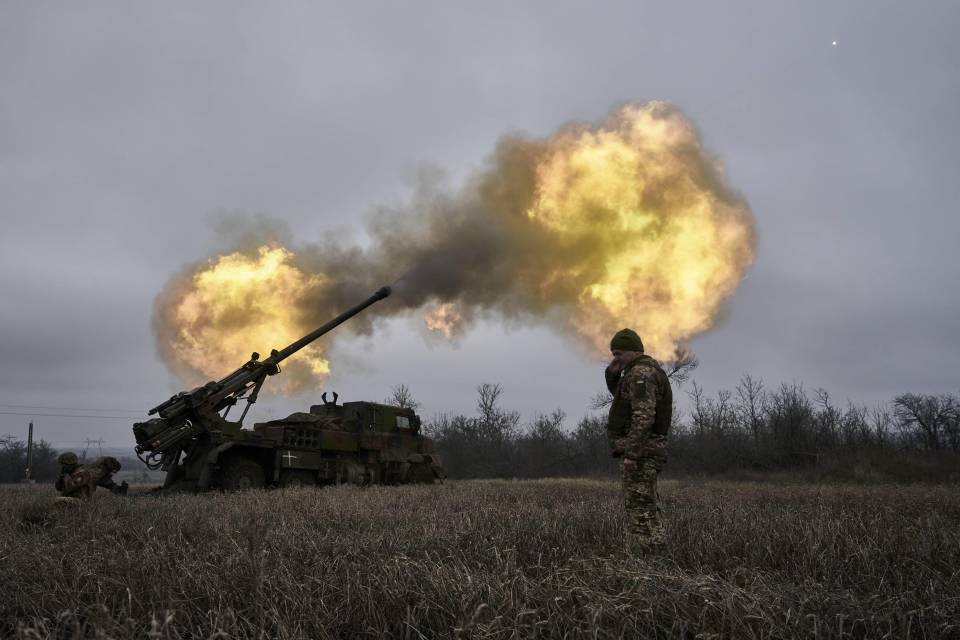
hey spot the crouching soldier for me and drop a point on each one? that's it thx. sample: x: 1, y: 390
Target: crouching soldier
x: 84, y: 480
x: 68, y: 464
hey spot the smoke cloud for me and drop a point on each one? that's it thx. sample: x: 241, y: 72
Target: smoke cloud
x: 626, y: 223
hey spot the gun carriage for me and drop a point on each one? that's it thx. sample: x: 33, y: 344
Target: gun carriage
x: 193, y: 440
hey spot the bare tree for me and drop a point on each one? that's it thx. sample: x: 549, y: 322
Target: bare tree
x: 880, y: 423
x: 495, y: 423
x: 699, y: 413
x: 827, y: 418
x: 488, y: 395
x: 723, y: 419
x: 547, y: 427
x: 601, y: 400
x: 750, y: 400
x: 933, y: 420
x: 590, y: 437
x: 400, y: 396
x: 854, y: 427
x: 952, y: 424
x: 680, y: 369
x: 789, y: 416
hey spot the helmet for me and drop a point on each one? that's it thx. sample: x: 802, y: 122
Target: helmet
x: 68, y: 458
x: 109, y: 463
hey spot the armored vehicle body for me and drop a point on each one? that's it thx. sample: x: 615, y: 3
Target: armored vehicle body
x: 355, y: 442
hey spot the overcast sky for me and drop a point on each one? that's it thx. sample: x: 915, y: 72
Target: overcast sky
x: 126, y: 127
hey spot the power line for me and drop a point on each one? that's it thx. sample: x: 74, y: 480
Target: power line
x: 79, y: 444
x: 31, y: 406
x: 69, y: 415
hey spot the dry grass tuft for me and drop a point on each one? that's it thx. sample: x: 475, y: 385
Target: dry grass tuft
x: 38, y: 512
x: 484, y: 559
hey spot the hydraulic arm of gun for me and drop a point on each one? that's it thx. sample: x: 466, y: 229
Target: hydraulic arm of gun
x: 191, y: 413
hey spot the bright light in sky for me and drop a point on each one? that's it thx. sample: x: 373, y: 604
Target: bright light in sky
x: 834, y: 43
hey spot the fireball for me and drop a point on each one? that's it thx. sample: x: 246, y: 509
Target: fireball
x: 630, y: 223
x: 235, y: 304
x: 667, y: 244
x: 445, y: 319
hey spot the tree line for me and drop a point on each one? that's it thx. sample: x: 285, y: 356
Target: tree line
x: 13, y: 460
x: 751, y: 429
x: 913, y: 436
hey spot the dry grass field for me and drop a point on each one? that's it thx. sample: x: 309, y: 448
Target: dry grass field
x: 483, y: 559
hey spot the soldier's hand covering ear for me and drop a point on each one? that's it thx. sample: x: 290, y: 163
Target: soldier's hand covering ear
x: 612, y: 376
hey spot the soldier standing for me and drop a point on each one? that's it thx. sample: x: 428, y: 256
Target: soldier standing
x: 637, y: 430
x: 85, y: 479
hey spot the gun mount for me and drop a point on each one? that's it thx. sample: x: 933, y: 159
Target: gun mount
x: 194, y: 442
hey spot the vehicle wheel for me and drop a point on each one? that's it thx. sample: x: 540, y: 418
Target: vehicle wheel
x: 297, y: 478
x: 420, y: 473
x: 240, y: 474
x: 356, y: 474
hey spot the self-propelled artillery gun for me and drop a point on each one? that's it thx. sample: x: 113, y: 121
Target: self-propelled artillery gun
x: 193, y: 440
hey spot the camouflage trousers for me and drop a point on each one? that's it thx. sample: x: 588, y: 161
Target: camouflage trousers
x: 644, y: 528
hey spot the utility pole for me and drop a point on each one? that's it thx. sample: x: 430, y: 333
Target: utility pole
x: 29, y: 452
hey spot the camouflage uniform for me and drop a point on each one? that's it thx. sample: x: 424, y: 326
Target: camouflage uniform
x: 82, y: 482
x: 68, y: 464
x: 637, y: 429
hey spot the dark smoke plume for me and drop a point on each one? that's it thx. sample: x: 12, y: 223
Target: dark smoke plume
x: 629, y: 223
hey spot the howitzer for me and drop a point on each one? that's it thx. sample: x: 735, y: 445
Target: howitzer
x: 191, y: 423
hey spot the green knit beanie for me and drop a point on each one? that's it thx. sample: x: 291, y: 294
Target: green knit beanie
x: 626, y: 340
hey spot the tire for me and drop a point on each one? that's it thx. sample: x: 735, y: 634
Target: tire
x: 420, y: 473
x: 297, y: 478
x: 356, y: 474
x: 241, y: 474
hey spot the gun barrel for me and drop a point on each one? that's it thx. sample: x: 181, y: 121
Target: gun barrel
x: 290, y: 349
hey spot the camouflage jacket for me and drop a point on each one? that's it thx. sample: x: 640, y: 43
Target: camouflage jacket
x: 641, y: 411
x: 85, y: 480
x: 65, y: 471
